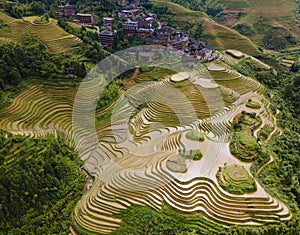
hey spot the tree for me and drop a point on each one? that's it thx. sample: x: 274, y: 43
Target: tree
x: 37, y: 8
x: 17, y: 11
x: 14, y: 76
x: 198, y: 31
x: 155, y: 24
x: 295, y: 67
x: 267, y: 78
x: 79, y: 69
x: 252, y: 115
x: 34, y: 189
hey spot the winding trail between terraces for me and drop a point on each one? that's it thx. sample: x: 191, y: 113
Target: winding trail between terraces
x: 270, y: 136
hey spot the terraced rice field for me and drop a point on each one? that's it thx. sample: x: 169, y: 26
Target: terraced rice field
x: 51, y: 35
x: 146, y: 169
x: 6, y: 18
x: 38, y: 111
x: 139, y: 133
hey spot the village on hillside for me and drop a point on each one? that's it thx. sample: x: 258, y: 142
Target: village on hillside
x: 140, y: 24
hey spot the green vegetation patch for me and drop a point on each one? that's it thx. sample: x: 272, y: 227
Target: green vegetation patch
x: 265, y: 132
x: 195, y: 155
x: 236, y: 180
x: 41, y: 20
x: 153, y: 74
x: 194, y: 135
x: 244, y: 145
x: 250, y: 119
x: 138, y: 219
x: 236, y: 4
x: 244, y: 29
x: 253, y: 104
x: 247, y: 140
x: 40, y: 183
x: 4, y: 26
x: 109, y: 95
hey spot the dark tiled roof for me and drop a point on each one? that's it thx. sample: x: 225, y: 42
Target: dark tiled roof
x: 107, y: 33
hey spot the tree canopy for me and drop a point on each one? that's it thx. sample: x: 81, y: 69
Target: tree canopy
x: 40, y: 181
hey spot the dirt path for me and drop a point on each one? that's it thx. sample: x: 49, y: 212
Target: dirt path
x: 135, y: 74
x: 270, y: 136
x: 266, y: 164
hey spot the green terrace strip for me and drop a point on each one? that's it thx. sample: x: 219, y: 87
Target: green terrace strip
x: 253, y: 104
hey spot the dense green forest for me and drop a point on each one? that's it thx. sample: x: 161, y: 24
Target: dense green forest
x: 109, y: 95
x: 40, y: 182
x: 22, y: 62
x: 32, y: 61
x: 22, y: 8
x: 144, y: 220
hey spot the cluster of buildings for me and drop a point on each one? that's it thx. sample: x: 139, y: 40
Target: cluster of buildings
x: 159, y: 33
x: 67, y: 10
x: 80, y: 18
x: 200, y: 50
x: 167, y: 36
x: 136, y: 22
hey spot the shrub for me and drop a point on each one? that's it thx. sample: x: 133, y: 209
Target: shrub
x: 194, y: 135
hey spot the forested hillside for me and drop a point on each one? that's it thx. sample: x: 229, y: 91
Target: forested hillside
x: 40, y: 182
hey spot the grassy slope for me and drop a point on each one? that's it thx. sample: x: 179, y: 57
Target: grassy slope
x: 277, y: 13
x: 236, y: 4
x: 54, y: 37
x: 216, y: 34
x: 173, y: 6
